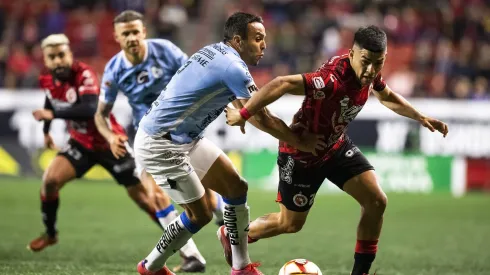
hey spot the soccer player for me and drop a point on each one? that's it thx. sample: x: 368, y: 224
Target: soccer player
x: 141, y: 70
x: 72, y: 91
x: 334, y: 95
x: 170, y: 146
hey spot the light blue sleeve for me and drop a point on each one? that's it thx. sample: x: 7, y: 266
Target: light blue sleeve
x: 239, y: 80
x: 177, y: 55
x: 108, y: 87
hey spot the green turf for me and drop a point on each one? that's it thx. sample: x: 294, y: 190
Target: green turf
x: 102, y: 232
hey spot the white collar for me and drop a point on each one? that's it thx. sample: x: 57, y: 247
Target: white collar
x: 128, y: 63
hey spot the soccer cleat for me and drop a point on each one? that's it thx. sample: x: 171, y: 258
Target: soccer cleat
x: 225, y: 242
x: 42, y: 242
x: 143, y: 271
x: 190, y: 265
x: 250, y: 269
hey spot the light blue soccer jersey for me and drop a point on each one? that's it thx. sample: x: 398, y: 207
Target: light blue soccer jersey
x: 198, y: 93
x: 141, y: 83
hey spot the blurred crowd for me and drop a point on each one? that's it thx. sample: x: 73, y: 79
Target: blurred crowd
x: 436, y: 49
x: 87, y: 23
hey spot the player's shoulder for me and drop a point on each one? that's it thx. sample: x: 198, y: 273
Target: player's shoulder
x: 81, y: 68
x: 114, y: 63
x: 45, y: 78
x: 337, y: 65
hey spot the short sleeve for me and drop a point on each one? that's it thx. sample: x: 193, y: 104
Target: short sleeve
x: 108, y: 89
x: 239, y: 80
x: 87, y: 82
x: 320, y: 84
x: 175, y: 54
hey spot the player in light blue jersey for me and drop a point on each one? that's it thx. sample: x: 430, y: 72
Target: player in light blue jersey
x: 170, y: 144
x: 141, y: 70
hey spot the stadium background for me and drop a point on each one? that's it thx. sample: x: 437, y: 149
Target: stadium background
x: 437, y: 220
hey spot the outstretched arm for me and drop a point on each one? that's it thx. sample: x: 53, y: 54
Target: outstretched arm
x: 290, y: 84
x: 401, y: 106
x: 267, y: 122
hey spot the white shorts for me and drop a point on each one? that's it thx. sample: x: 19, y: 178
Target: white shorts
x: 177, y: 168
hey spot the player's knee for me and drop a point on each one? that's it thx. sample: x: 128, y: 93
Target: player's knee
x: 376, y: 205
x: 290, y: 226
x: 200, y: 218
x: 51, y: 184
x: 236, y: 189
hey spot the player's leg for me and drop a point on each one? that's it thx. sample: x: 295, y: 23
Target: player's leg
x: 296, y: 192
x: 352, y: 172
x: 169, y: 165
x: 220, y: 175
x: 366, y: 190
x: 66, y: 166
x: 202, y: 156
x: 192, y: 259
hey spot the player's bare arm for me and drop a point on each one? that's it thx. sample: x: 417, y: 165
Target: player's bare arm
x: 117, y: 142
x: 401, y: 106
x: 291, y: 84
x: 266, y: 121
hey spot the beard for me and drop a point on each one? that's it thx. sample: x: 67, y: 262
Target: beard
x: 61, y: 73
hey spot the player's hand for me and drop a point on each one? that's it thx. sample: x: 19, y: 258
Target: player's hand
x: 233, y: 118
x: 43, y: 114
x: 118, y: 146
x: 309, y: 142
x: 434, y: 125
x: 49, y: 143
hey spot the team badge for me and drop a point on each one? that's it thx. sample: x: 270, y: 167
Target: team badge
x: 71, y: 95
x: 300, y: 200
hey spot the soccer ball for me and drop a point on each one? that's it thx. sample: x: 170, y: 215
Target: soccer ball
x: 300, y: 266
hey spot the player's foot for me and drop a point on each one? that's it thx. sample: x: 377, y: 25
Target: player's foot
x: 42, y: 242
x: 250, y: 269
x: 225, y: 242
x: 143, y: 271
x: 190, y: 265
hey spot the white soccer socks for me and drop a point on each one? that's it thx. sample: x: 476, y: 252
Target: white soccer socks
x: 177, y: 233
x: 237, y: 217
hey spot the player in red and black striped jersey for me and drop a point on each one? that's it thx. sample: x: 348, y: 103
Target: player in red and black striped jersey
x: 334, y: 95
x: 72, y: 91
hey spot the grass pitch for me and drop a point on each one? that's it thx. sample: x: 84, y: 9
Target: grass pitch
x: 103, y: 232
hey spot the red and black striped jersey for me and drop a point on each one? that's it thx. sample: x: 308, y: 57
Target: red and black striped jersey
x: 333, y: 98
x: 64, y: 95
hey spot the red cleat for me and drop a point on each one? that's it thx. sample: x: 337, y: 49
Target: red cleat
x: 250, y: 269
x: 225, y: 242
x: 143, y: 271
x: 42, y: 242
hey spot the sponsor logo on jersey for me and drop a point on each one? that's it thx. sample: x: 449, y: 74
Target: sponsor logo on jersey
x: 142, y: 77
x: 252, y: 87
x: 318, y: 82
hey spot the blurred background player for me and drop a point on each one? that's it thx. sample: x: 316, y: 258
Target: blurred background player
x: 334, y: 95
x: 141, y: 71
x: 72, y: 91
x: 170, y: 144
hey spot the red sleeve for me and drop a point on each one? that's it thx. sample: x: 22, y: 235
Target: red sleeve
x: 379, y: 83
x: 44, y: 80
x: 323, y: 80
x: 87, y: 82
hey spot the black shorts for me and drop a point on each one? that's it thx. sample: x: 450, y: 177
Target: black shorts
x: 82, y: 159
x: 298, y: 184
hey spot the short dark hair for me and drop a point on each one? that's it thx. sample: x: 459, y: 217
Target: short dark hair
x: 371, y: 38
x: 237, y: 24
x: 127, y: 16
